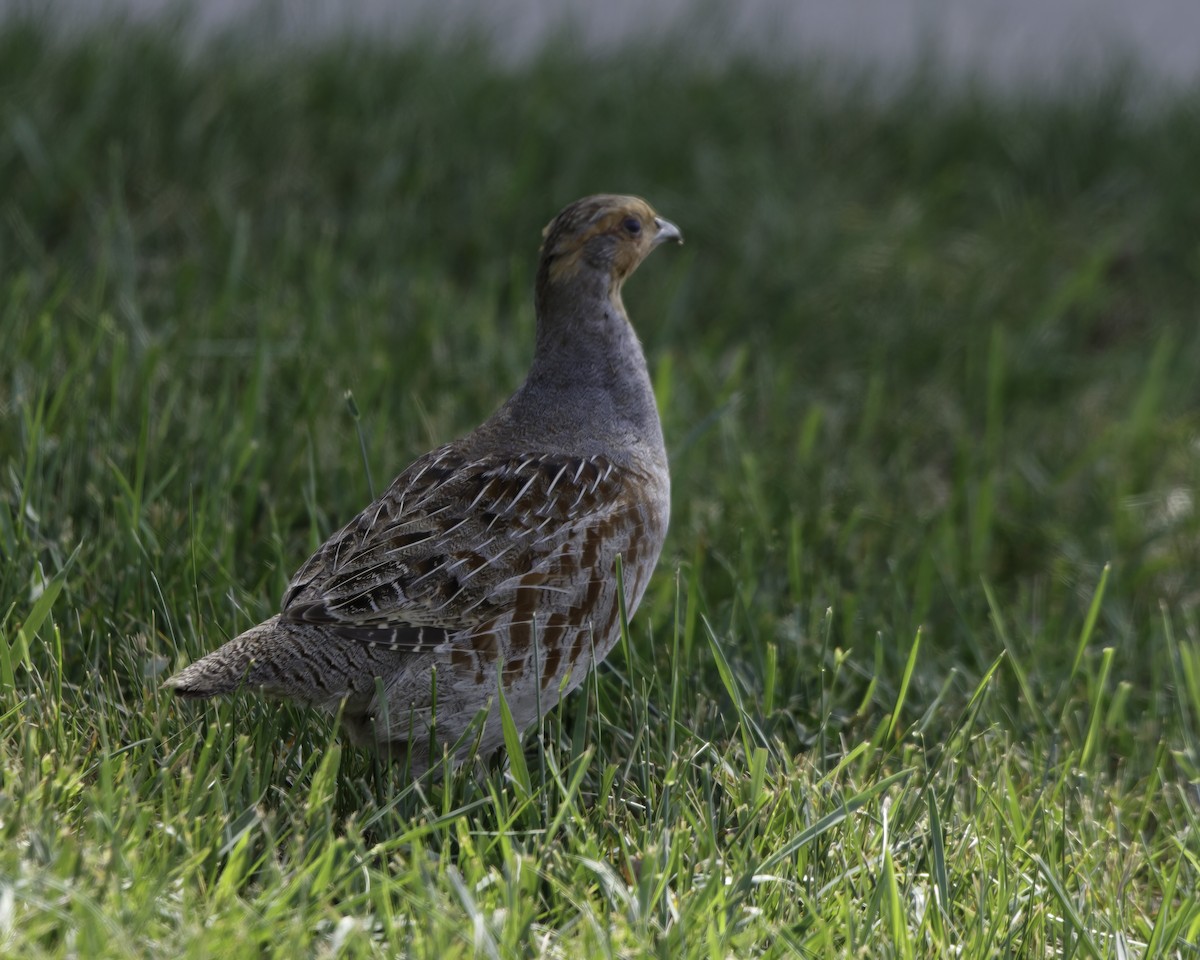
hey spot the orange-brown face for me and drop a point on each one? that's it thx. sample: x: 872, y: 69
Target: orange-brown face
x: 604, y: 232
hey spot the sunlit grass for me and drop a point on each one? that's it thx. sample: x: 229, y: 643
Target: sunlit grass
x: 919, y: 674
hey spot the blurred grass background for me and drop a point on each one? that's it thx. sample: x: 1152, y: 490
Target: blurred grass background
x: 920, y: 669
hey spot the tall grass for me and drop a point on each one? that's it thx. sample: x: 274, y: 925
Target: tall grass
x: 919, y: 673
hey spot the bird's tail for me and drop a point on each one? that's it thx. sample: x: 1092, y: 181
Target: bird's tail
x: 243, y: 661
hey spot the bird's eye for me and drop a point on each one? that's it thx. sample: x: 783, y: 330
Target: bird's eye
x: 632, y: 225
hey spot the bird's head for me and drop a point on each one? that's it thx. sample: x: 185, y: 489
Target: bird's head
x: 606, y: 233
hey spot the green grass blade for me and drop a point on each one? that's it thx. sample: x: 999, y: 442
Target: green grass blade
x: 1089, y: 623
x: 905, y: 679
x: 1068, y: 907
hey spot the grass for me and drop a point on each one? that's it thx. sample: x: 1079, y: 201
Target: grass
x: 919, y: 674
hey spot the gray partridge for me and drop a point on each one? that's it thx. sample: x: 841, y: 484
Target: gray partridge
x: 491, y: 561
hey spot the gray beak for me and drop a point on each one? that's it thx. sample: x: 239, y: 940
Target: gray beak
x: 666, y: 231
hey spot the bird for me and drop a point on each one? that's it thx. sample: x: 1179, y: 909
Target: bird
x: 490, y: 565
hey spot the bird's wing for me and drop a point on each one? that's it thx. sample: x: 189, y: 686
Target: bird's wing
x: 446, y: 546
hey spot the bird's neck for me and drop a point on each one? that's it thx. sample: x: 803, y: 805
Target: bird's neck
x: 582, y: 328
x: 588, y: 371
